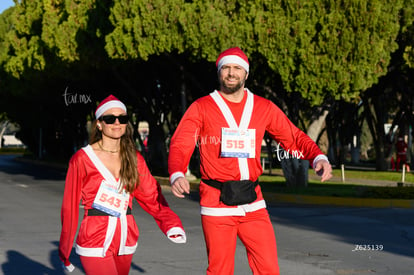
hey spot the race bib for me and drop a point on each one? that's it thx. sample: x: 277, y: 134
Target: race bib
x: 237, y: 143
x: 110, y: 200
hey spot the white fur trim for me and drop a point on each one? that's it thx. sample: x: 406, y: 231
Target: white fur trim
x: 110, y: 232
x: 240, y: 210
x: 99, y: 164
x: 110, y: 104
x: 318, y: 158
x: 89, y: 251
x: 175, y: 176
x: 124, y: 233
x: 177, y: 231
x: 68, y: 268
x: 99, y: 251
x: 233, y: 59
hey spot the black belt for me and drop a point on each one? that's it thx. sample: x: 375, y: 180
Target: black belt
x: 218, y: 184
x: 96, y: 212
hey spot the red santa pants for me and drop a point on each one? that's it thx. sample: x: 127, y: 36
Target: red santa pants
x: 112, y: 263
x: 109, y: 265
x: 256, y: 233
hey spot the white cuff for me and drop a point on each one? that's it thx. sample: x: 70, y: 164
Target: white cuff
x: 175, y: 176
x: 318, y: 158
x: 68, y: 268
x: 177, y: 231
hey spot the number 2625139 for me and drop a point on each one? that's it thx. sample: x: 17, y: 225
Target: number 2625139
x: 368, y: 247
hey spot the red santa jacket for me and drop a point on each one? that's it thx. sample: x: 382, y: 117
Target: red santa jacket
x: 201, y: 125
x: 84, y: 176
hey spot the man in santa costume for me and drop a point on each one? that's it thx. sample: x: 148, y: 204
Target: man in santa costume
x: 228, y: 127
x: 106, y: 175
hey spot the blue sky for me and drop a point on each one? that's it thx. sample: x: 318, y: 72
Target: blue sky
x: 5, y: 4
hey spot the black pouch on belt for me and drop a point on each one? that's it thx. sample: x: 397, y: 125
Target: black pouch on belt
x: 235, y: 192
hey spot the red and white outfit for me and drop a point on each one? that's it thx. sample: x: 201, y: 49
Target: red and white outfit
x: 100, y: 236
x: 202, y: 125
x: 401, y: 153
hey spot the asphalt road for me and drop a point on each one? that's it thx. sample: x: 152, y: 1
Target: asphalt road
x: 312, y: 240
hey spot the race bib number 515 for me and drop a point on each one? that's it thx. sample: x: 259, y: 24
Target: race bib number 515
x: 238, y: 143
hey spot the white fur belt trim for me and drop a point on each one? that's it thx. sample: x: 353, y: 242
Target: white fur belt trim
x: 240, y: 210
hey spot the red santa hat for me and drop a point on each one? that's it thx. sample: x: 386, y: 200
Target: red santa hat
x: 233, y: 55
x: 108, y: 103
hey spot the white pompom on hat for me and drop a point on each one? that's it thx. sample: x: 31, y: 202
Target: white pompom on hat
x: 108, y: 103
x: 233, y: 55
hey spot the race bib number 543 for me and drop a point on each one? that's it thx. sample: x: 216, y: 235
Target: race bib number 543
x: 110, y: 200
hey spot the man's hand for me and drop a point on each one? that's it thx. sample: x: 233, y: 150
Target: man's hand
x: 180, y: 186
x: 323, y: 169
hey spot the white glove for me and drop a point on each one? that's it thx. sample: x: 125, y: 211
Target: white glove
x: 68, y: 268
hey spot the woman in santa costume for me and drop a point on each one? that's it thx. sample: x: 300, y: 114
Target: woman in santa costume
x: 228, y: 127
x: 106, y: 175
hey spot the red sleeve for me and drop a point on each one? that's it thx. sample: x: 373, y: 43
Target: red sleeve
x: 289, y: 137
x: 70, y: 209
x: 150, y: 198
x: 184, y: 140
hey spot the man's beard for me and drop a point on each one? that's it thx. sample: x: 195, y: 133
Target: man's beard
x: 229, y: 90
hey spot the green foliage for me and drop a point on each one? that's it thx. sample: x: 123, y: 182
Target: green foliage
x: 409, y: 56
x: 407, y: 32
x: 212, y: 26
x: 5, y: 27
x: 22, y: 43
x: 62, y: 25
x: 328, y: 48
x: 75, y: 30
x: 144, y: 28
x: 321, y: 49
x: 409, y: 44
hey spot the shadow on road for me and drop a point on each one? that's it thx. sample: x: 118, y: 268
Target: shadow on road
x: 391, y: 228
x: 18, y: 263
x: 14, y: 164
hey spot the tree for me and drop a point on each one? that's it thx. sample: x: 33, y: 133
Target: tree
x: 393, y: 94
x: 328, y: 49
x: 36, y: 78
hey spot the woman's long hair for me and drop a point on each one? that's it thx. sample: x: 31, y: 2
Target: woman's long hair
x: 129, y: 172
